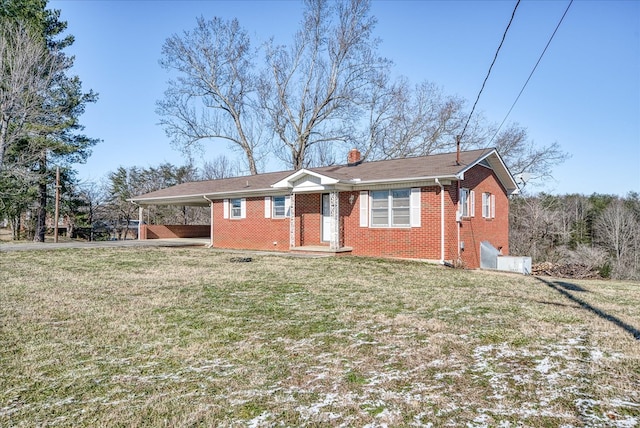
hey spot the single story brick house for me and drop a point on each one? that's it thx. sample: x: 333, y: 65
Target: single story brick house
x: 436, y: 208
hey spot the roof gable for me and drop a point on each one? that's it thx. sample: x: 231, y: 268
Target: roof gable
x: 305, y: 180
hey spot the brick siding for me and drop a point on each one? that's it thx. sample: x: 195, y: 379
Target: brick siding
x: 165, y: 231
x: 474, y: 230
x: 256, y: 232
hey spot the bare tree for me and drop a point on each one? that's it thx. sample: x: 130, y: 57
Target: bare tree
x: 212, y: 96
x: 535, y: 227
x: 311, y: 89
x: 522, y: 155
x: 27, y: 69
x: 219, y: 167
x: 617, y: 230
x: 418, y: 121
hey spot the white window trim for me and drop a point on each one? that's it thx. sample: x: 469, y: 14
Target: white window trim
x: 267, y: 207
x: 472, y: 203
x: 467, y: 203
x: 229, y: 208
x: 287, y: 207
x: 486, y: 201
x: 488, y: 205
x: 366, y: 209
x: 415, y: 206
x: 493, y: 206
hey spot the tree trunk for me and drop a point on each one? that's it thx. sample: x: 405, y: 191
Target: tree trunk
x: 15, y: 228
x: 41, y: 216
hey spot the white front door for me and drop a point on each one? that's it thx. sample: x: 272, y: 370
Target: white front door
x: 326, y: 218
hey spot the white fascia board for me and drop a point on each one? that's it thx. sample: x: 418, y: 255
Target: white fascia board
x: 168, y: 200
x: 444, y: 179
x: 243, y: 193
x: 341, y: 187
x: 504, y: 175
x: 199, y: 197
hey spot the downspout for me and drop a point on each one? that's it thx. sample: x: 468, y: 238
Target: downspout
x: 441, y: 221
x: 459, y: 225
x: 211, y: 221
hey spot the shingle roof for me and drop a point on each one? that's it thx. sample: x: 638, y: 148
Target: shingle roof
x: 439, y: 165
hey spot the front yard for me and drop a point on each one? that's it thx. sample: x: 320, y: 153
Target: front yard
x: 185, y: 337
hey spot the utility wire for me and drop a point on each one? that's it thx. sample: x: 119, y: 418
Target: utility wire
x: 495, y: 57
x: 531, y: 74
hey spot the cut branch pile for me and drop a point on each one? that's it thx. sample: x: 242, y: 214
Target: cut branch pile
x: 565, y: 270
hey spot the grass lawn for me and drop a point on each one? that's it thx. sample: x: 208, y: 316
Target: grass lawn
x: 185, y: 337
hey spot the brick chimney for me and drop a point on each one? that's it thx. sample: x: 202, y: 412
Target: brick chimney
x: 354, y: 157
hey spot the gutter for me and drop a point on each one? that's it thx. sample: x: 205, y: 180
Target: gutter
x: 441, y: 220
x: 359, y: 183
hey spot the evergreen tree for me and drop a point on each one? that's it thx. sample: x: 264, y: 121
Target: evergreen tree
x: 53, y: 136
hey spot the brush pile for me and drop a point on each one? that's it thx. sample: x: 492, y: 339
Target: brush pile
x: 565, y: 270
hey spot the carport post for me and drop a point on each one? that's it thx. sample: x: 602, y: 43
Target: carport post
x: 140, y: 218
x: 211, y: 231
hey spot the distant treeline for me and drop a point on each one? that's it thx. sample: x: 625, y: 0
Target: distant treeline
x: 602, y: 231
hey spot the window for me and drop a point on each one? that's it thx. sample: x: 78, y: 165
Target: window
x: 467, y: 203
x: 277, y: 206
x: 279, y: 209
x: 400, y: 209
x: 380, y: 208
x: 488, y: 205
x: 464, y: 199
x: 391, y: 208
x: 236, y: 208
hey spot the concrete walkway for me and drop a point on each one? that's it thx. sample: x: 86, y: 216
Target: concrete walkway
x: 32, y: 246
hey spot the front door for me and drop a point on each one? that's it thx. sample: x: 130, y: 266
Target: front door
x: 326, y: 218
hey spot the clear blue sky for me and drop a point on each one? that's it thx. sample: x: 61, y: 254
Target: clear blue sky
x: 585, y: 93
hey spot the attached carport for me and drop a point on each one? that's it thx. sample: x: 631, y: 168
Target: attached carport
x: 173, y: 231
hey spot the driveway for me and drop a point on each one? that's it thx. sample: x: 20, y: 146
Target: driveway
x: 30, y: 246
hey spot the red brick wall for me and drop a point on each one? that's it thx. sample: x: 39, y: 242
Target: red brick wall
x: 255, y: 232
x: 474, y: 230
x: 260, y: 233
x: 165, y: 231
x: 424, y: 242
x: 405, y: 242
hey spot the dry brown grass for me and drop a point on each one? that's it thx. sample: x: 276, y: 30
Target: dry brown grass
x: 184, y: 337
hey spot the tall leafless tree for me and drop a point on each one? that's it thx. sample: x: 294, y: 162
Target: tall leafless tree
x: 27, y: 69
x: 213, y: 93
x: 405, y: 121
x: 617, y: 230
x: 311, y: 89
x: 521, y: 154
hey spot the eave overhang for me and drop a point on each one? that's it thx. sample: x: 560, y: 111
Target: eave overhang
x: 496, y: 163
x: 202, y: 199
x: 307, y: 181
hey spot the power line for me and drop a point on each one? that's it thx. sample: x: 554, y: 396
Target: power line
x: 531, y: 74
x: 495, y: 57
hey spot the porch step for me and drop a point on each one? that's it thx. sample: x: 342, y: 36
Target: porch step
x: 321, y: 249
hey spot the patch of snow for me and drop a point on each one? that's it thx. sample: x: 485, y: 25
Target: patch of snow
x: 544, y: 366
x: 258, y: 421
